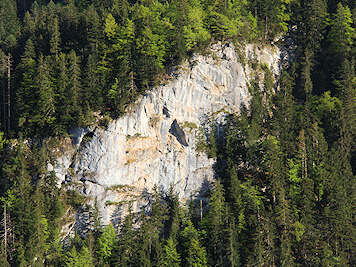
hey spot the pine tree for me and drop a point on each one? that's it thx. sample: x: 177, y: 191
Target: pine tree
x: 7, y: 226
x: 232, y: 246
x: 148, y: 245
x: 16, y: 169
x: 3, y: 257
x: 310, y: 240
x: 178, y: 16
x: 93, y: 83
x: 155, y: 226
x: 143, y: 244
x: 263, y: 253
x: 121, y: 9
x: 340, y: 191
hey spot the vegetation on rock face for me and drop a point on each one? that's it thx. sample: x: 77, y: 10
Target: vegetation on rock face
x: 285, y: 189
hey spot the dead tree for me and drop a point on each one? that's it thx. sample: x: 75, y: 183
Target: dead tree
x: 9, y: 65
x: 5, y: 69
x: 6, y: 235
x: 3, y: 89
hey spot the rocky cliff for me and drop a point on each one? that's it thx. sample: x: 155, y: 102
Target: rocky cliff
x: 160, y: 141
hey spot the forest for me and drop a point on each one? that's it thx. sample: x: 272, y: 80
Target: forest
x: 286, y: 187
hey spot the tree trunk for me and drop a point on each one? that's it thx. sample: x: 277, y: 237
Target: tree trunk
x: 9, y: 60
x: 201, y: 210
x: 4, y: 106
x: 5, y: 230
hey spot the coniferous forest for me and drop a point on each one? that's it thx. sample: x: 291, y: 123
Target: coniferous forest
x: 285, y: 190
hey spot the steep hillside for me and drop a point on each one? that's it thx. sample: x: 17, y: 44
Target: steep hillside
x: 177, y: 133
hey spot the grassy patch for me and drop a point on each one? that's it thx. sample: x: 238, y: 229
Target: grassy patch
x: 121, y: 188
x: 116, y: 203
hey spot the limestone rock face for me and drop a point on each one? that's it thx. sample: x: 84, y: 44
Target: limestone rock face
x: 155, y: 143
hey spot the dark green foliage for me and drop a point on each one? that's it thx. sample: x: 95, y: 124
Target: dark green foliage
x: 215, y: 224
x: 106, y: 53
x: 285, y: 168
x: 34, y: 206
x: 10, y: 28
x: 190, y: 244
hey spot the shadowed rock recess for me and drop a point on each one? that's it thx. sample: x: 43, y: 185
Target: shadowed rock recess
x: 155, y: 142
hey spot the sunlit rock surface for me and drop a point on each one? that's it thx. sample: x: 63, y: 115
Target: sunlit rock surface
x: 155, y: 142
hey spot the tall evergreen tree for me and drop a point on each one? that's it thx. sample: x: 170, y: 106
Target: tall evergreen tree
x: 74, y: 90
x: 10, y: 27
x: 171, y: 257
x: 44, y: 116
x: 106, y: 244
x: 341, y: 34
x: 27, y: 91
x: 191, y: 249
x: 215, y: 225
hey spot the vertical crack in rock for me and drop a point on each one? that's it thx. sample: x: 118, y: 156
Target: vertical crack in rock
x: 166, y: 112
x: 178, y: 132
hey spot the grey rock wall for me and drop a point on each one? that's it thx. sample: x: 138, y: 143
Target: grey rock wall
x: 155, y: 142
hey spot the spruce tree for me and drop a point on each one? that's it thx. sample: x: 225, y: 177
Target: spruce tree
x: 27, y: 92
x: 44, y: 116
x: 193, y: 253
x: 127, y: 242
x: 10, y: 27
x: 106, y: 244
x: 55, y: 38
x: 215, y: 225
x: 62, y: 87
x: 74, y: 89
x: 171, y: 257
x: 341, y: 33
